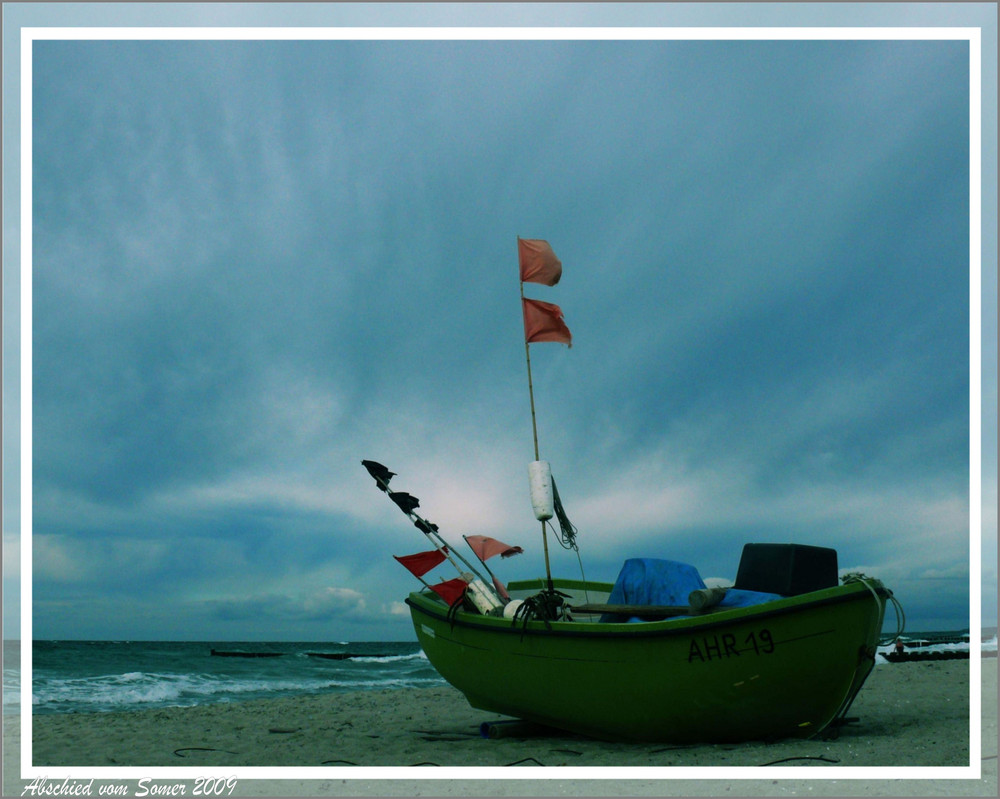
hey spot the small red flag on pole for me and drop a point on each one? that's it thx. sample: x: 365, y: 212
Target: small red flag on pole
x: 543, y: 321
x: 451, y: 590
x: 422, y: 562
x: 486, y: 547
x: 538, y: 262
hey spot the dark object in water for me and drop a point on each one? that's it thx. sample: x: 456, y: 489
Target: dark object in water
x: 222, y: 653
x: 906, y: 657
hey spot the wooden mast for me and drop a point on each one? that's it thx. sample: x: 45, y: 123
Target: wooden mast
x: 534, y: 424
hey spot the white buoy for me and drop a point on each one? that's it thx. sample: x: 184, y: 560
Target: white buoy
x: 483, y: 597
x: 540, y: 478
x: 511, y: 608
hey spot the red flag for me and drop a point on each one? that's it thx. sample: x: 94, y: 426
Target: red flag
x: 543, y: 321
x: 422, y: 562
x: 500, y: 588
x: 538, y: 262
x: 486, y: 547
x: 451, y: 590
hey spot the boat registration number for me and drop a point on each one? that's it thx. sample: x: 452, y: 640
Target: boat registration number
x: 718, y: 647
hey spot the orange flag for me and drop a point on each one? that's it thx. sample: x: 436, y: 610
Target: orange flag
x: 486, y: 547
x: 543, y: 321
x: 538, y: 262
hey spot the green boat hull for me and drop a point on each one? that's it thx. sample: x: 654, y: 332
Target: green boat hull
x: 781, y: 669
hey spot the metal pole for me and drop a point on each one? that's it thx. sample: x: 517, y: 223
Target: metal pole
x: 430, y: 532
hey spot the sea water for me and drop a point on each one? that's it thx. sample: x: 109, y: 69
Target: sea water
x: 106, y: 676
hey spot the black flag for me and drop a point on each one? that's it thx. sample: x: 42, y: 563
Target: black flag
x: 381, y: 474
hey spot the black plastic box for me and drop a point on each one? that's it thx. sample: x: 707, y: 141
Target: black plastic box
x: 786, y: 569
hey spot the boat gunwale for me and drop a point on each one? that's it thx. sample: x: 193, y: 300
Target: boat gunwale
x: 538, y: 583
x: 651, y: 629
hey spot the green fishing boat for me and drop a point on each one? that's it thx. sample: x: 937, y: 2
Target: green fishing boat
x: 785, y: 668
x: 657, y: 655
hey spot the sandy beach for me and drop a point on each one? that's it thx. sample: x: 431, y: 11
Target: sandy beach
x: 912, y: 714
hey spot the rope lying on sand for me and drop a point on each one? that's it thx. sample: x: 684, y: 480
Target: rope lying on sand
x: 515, y: 763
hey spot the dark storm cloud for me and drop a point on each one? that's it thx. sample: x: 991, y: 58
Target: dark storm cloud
x: 256, y: 263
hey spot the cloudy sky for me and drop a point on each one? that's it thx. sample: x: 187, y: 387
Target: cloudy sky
x: 257, y: 263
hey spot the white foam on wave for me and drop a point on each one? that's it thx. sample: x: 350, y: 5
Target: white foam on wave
x: 134, y: 690
x: 389, y: 658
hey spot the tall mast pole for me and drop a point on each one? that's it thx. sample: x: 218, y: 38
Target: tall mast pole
x: 531, y: 390
x: 534, y: 424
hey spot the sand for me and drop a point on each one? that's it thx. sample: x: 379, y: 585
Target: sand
x: 909, y: 715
